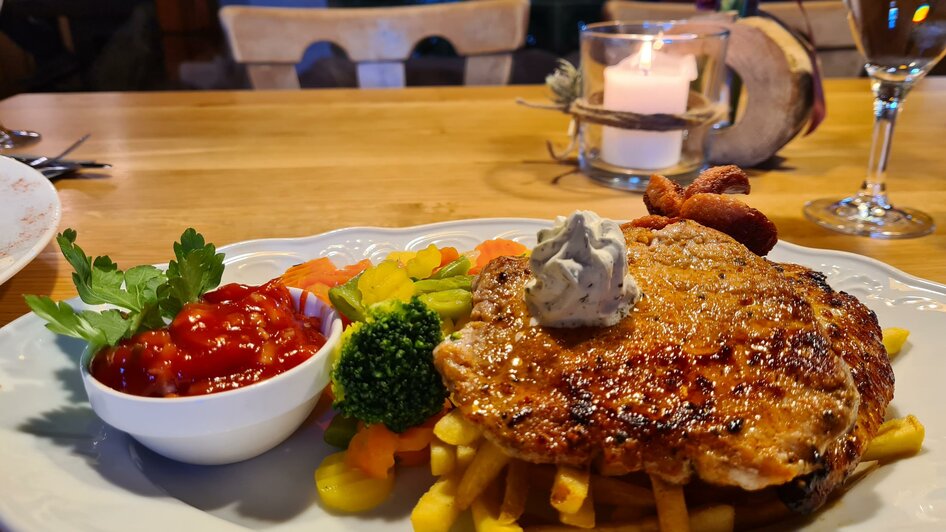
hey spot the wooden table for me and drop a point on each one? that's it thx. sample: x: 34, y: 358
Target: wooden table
x: 242, y: 165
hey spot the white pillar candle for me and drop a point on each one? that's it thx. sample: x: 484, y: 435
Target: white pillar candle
x: 648, y: 82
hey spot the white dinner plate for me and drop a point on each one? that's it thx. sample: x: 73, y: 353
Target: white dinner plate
x: 29, y: 215
x: 63, y: 469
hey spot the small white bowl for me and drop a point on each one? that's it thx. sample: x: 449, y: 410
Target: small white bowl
x: 223, y: 427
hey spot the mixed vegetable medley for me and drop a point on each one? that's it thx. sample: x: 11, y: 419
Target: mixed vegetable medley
x: 387, y: 396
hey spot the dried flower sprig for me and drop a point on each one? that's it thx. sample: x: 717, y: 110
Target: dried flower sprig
x: 565, y: 83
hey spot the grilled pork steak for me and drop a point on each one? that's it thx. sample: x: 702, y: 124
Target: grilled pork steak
x: 731, y: 367
x: 854, y: 333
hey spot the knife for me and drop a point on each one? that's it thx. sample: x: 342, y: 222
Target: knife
x: 27, y: 159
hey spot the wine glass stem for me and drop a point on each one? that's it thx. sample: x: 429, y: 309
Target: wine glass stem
x: 888, y: 99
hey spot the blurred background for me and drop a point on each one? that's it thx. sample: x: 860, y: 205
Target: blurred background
x: 121, y: 45
x: 142, y: 45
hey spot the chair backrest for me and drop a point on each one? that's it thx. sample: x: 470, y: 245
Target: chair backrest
x: 832, y: 35
x: 270, y: 41
x: 834, y: 43
x: 631, y: 10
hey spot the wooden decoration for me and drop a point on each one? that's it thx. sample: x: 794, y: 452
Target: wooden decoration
x: 777, y: 77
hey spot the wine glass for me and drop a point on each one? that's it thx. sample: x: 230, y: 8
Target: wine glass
x: 902, y: 40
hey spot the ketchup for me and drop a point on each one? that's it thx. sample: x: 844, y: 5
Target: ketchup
x: 235, y: 336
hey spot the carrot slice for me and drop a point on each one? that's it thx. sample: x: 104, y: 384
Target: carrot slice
x: 309, y: 272
x: 328, y: 394
x: 413, y: 458
x: 372, y: 450
x: 497, y: 247
x: 415, y: 438
x: 448, y: 255
x: 322, y: 271
x: 343, y: 275
x: 320, y: 290
x: 413, y: 445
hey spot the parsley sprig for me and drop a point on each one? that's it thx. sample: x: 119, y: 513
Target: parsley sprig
x: 146, y: 297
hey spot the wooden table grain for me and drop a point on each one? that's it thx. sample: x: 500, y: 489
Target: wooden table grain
x: 244, y: 165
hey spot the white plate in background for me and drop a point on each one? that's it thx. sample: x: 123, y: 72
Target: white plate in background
x: 29, y: 215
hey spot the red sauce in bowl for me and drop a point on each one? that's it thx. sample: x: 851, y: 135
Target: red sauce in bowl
x: 236, y: 336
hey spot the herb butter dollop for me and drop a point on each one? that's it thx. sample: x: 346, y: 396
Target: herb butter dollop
x: 580, y: 276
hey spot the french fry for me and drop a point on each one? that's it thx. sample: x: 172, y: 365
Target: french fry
x: 611, y: 490
x: 893, y: 339
x: 455, y: 429
x: 443, y: 458
x: 484, y: 521
x: 717, y: 518
x: 487, y: 516
x: 570, y: 489
x: 896, y: 438
x: 517, y: 488
x: 671, y: 507
x: 437, y: 510
x: 583, y: 518
x: 465, y: 455
x: 485, y: 467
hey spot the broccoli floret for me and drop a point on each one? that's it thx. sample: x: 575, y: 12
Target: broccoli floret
x: 385, y: 371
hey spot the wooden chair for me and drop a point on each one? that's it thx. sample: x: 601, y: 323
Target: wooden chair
x: 632, y: 10
x: 270, y: 41
x: 834, y: 42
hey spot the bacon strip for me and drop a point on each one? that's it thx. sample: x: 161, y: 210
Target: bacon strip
x: 703, y: 202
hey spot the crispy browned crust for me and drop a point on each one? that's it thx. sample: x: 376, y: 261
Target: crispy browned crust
x: 703, y: 202
x: 663, y: 197
x: 733, y: 217
x: 653, y: 221
x: 854, y: 332
x: 728, y: 368
x: 719, y: 180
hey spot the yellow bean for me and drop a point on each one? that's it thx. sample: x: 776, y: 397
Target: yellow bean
x: 348, y: 489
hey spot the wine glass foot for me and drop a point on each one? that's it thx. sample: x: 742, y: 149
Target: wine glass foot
x: 868, y: 217
x: 14, y: 138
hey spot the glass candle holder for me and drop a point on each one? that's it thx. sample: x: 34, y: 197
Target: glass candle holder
x: 667, y: 77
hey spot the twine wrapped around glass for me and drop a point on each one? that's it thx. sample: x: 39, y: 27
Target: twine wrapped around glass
x: 651, y: 94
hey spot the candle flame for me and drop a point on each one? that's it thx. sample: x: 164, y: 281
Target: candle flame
x: 646, y: 56
x: 659, y: 40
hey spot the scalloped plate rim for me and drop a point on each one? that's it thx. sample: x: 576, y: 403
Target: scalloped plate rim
x: 781, y: 246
